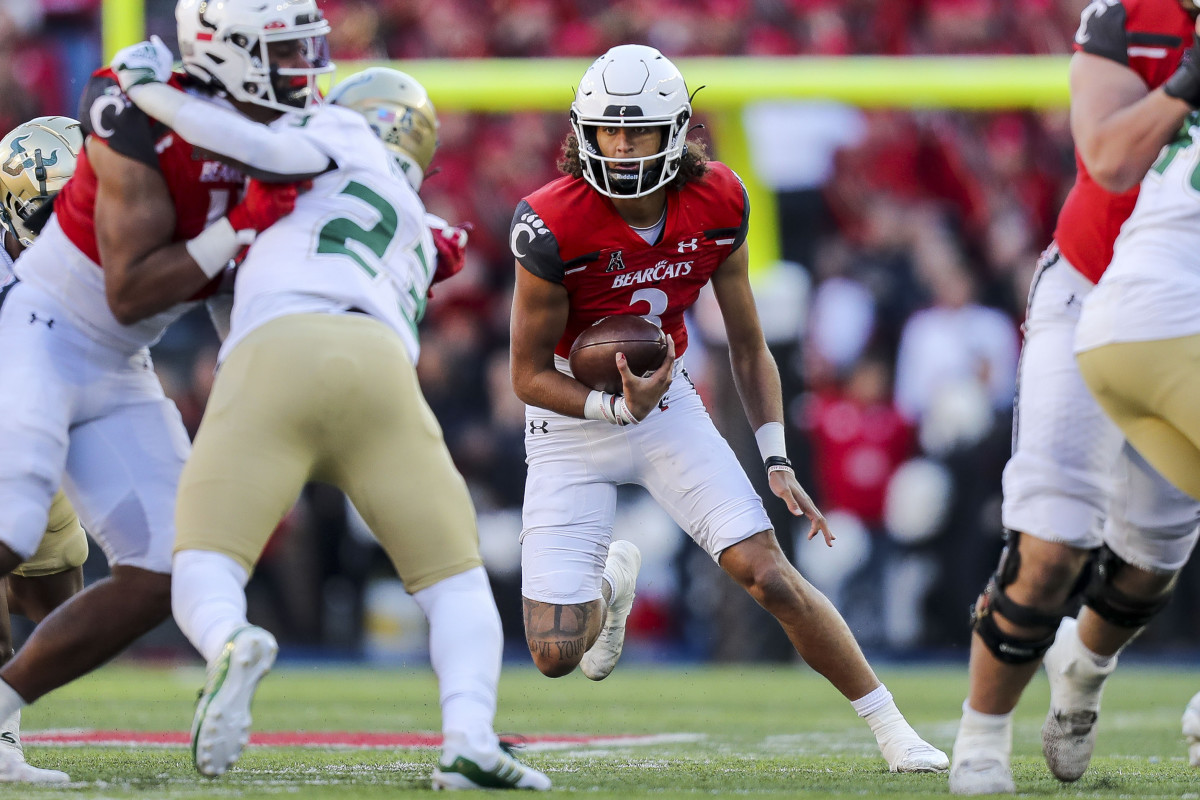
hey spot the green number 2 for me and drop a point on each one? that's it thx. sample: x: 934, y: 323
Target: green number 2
x: 338, y: 233
x: 1182, y: 141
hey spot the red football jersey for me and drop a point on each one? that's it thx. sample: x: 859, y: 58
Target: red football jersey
x: 569, y: 233
x: 203, y: 190
x: 1150, y: 37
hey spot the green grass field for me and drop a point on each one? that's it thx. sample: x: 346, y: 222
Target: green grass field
x: 754, y: 731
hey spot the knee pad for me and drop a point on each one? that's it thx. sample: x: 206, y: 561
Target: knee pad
x: 1006, y: 647
x: 1112, y: 604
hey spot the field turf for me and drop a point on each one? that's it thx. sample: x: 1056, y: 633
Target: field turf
x: 728, y: 731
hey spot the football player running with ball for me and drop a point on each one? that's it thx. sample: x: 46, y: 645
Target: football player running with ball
x: 638, y: 225
x: 318, y: 383
x: 37, y: 157
x: 1088, y: 520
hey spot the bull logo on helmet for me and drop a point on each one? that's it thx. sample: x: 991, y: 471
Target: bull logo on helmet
x: 20, y: 159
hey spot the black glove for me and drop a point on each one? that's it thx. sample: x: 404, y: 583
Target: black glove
x: 1184, y: 83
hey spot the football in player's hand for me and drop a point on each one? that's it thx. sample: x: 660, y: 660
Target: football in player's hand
x: 593, y: 356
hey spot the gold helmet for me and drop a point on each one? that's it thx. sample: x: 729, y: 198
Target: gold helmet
x: 398, y: 109
x: 36, y: 159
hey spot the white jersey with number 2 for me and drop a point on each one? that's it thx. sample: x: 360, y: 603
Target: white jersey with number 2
x: 1151, y: 289
x: 356, y: 241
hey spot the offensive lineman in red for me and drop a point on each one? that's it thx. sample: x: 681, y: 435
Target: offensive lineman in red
x: 1088, y: 519
x: 638, y: 226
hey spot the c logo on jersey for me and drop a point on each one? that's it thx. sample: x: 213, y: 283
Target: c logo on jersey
x: 106, y: 102
x: 530, y: 227
x: 615, y: 262
x: 688, y: 246
x: 21, y: 159
x: 1095, y: 9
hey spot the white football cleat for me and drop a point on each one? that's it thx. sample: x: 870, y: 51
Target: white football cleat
x: 221, y: 727
x: 1069, y: 732
x: 982, y: 762
x: 460, y: 767
x: 622, y: 565
x: 982, y: 774
x: 1191, y: 729
x: 914, y: 755
x: 13, y: 767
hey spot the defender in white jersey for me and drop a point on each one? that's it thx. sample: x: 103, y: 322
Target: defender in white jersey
x: 1138, y: 339
x: 317, y: 382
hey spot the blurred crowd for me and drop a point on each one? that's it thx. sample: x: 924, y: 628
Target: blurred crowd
x: 908, y: 243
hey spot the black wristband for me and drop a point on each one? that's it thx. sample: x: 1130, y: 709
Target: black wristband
x: 1184, y: 83
x: 778, y: 461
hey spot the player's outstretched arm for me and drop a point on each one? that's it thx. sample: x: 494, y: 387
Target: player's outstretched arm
x: 754, y: 371
x: 756, y: 377
x: 272, y: 154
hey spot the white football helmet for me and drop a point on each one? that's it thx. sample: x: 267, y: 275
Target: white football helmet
x: 398, y: 109
x: 631, y: 86
x: 36, y: 159
x: 224, y: 43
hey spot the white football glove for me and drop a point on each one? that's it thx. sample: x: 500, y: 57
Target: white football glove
x: 144, y: 62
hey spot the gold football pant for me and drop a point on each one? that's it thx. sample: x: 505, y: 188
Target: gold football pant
x: 331, y: 398
x: 1151, y: 390
x: 63, y: 547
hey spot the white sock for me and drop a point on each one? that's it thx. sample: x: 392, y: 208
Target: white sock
x: 208, y: 599
x: 11, y: 704
x: 987, y: 731
x: 887, y: 723
x: 871, y: 702
x: 465, y: 647
x: 1083, y: 652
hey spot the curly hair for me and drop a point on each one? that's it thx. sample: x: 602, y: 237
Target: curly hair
x: 692, y: 166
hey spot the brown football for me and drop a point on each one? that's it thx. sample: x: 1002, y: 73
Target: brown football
x: 593, y: 355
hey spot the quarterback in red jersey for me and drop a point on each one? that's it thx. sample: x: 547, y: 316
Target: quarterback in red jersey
x: 144, y: 223
x: 639, y: 225
x: 1088, y: 521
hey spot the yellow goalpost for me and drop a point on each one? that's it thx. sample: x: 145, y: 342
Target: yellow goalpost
x: 976, y: 83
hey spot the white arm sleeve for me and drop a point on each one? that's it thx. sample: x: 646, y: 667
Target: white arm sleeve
x: 269, y: 154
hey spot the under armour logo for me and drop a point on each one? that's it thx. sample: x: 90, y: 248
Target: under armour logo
x: 689, y: 245
x: 33, y: 317
x: 539, y: 426
x: 615, y: 262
